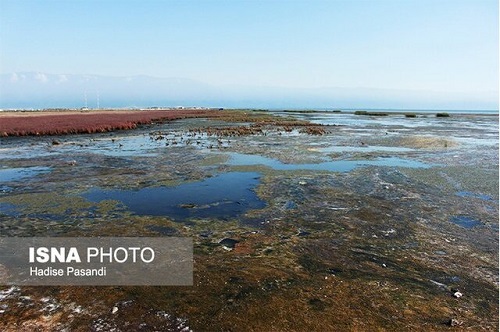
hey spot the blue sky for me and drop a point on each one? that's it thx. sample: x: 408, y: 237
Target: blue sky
x: 401, y: 44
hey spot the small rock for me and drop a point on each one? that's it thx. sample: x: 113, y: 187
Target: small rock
x: 303, y: 233
x: 228, y: 243
x: 384, y: 265
x: 389, y: 232
x: 115, y: 309
x: 187, y: 206
x: 205, y: 234
x: 55, y: 142
x: 454, y: 322
x: 302, y: 183
x: 458, y: 294
x: 268, y: 250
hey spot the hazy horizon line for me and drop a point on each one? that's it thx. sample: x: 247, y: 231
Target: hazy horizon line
x: 358, y: 87
x: 40, y: 90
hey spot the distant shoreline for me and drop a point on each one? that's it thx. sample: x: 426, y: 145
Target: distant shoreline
x: 88, y: 121
x: 394, y: 111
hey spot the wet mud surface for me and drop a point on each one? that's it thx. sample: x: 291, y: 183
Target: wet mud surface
x: 333, y: 222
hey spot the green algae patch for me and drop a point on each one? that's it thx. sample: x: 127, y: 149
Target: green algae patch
x: 48, y: 203
x: 106, y: 207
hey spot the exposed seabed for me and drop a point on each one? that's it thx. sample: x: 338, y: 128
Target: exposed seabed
x: 371, y: 223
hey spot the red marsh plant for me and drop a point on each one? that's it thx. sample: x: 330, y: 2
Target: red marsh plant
x: 73, y: 122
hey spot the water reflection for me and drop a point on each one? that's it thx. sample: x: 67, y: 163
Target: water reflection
x: 239, y: 159
x: 14, y: 174
x: 226, y: 195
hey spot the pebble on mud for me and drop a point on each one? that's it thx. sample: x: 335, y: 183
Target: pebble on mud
x: 303, y: 233
x: 187, y: 206
x: 454, y: 322
x: 228, y: 243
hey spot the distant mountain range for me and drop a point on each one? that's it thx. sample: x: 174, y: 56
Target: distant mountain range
x: 41, y: 90
x: 49, y: 90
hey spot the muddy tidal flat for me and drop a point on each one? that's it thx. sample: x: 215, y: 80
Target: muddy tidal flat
x: 301, y: 221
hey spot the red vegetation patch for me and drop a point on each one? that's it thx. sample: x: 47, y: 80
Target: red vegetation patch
x: 74, y: 122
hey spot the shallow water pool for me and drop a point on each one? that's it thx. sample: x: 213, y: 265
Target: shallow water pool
x: 226, y: 195
x: 15, y: 174
x: 239, y: 159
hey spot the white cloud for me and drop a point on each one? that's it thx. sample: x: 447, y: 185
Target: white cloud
x: 14, y: 77
x: 41, y: 77
x: 62, y: 79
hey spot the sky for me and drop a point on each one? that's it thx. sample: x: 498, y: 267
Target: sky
x: 436, y: 45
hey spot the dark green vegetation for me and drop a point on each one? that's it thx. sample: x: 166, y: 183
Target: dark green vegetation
x: 442, y: 115
x: 306, y: 111
x: 377, y: 248
x: 371, y: 113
